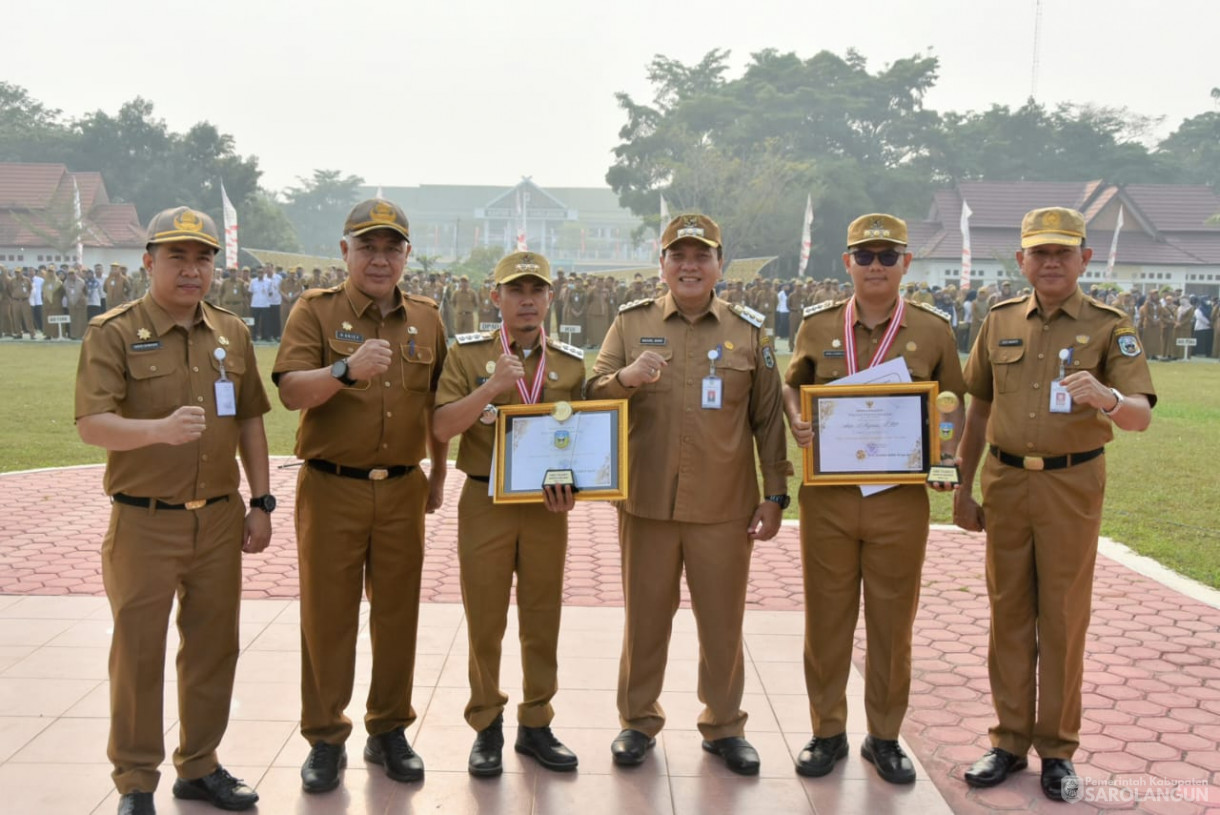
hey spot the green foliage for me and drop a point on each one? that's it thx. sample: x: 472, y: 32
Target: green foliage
x: 264, y: 224
x: 318, y: 208
x: 479, y: 264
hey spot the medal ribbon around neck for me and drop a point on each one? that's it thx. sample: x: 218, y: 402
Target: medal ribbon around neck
x: 849, y: 334
x: 529, y: 397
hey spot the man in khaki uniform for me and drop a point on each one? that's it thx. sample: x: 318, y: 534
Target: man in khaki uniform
x: 488, y: 314
x: 22, y: 314
x: 1151, y: 314
x: 765, y: 302
x: 494, y: 541
x: 850, y: 539
x: 694, y: 500
x: 168, y: 385
x: 290, y: 291
x: 598, y: 313
x: 1050, y: 375
x: 465, y: 307
x: 117, y: 287
x: 361, y: 362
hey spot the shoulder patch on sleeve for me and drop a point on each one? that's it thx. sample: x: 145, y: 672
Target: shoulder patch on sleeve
x: 748, y: 314
x: 817, y: 307
x: 570, y: 350
x: 476, y: 336
x: 635, y: 304
x: 944, y: 315
x: 106, y: 317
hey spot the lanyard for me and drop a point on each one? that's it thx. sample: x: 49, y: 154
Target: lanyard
x: 529, y: 397
x: 849, y: 334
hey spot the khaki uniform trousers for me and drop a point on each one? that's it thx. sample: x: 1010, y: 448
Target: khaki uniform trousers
x: 23, y: 317
x: 847, y: 541
x: 354, y: 534
x: 493, y: 542
x: 1042, y: 532
x: 717, y: 562
x: 148, y: 557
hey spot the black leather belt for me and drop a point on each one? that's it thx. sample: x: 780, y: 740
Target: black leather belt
x: 133, y: 501
x: 375, y: 474
x: 482, y: 478
x: 1045, y: 462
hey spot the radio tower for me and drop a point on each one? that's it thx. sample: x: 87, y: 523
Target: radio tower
x: 1033, y: 78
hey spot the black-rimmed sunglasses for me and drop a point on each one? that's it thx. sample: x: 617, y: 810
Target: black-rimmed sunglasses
x: 865, y: 257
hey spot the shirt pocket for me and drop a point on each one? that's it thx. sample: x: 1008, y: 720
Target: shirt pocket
x: 417, y: 367
x: 665, y: 383
x: 1086, y: 359
x: 1006, y: 366
x: 736, y: 368
x: 156, y: 386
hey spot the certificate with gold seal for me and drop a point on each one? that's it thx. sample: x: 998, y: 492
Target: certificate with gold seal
x: 579, y: 443
x: 870, y: 434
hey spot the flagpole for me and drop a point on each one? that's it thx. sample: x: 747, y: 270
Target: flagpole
x: 966, y: 258
x: 1118, y: 227
x: 806, y: 236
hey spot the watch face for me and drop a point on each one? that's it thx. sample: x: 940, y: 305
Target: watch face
x: 339, y: 369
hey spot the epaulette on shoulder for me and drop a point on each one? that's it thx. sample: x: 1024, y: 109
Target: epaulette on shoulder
x: 224, y: 310
x: 570, y: 350
x: 419, y: 298
x: 476, y: 336
x: 1012, y: 301
x: 106, y: 317
x: 635, y: 304
x: 944, y: 315
x: 1107, y: 307
x: 313, y: 294
x: 818, y: 307
x: 748, y: 314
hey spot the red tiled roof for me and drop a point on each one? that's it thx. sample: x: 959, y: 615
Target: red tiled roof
x: 28, y: 191
x: 1176, y: 208
x: 120, y: 223
x: 29, y: 186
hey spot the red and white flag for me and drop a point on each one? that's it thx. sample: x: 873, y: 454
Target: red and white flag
x: 77, y: 223
x: 966, y: 213
x: 1114, y: 245
x: 230, y: 229
x: 522, y: 242
x: 806, y: 237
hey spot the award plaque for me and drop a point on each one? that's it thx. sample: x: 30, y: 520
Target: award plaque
x: 579, y: 444
x: 870, y: 434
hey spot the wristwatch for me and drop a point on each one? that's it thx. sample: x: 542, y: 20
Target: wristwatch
x: 782, y: 500
x: 264, y: 502
x: 1119, y: 399
x: 339, y: 371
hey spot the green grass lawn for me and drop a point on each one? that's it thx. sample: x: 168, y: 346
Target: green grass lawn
x: 1162, y: 498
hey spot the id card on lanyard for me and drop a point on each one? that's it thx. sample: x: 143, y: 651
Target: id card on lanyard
x: 226, y: 394
x: 713, y: 386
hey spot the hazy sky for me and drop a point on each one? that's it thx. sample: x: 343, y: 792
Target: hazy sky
x: 484, y: 92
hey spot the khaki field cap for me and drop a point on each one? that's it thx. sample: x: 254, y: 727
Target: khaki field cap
x: 522, y: 264
x: 699, y: 227
x: 874, y: 227
x: 376, y: 213
x: 183, y: 224
x: 1058, y: 225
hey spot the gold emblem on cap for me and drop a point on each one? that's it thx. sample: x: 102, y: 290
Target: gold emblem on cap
x: 946, y: 401
x: 382, y: 213
x: 562, y: 411
x: 143, y: 333
x: 490, y: 367
x: 1050, y: 219
x: 188, y: 221
x: 223, y: 339
x: 527, y: 265
x: 346, y: 325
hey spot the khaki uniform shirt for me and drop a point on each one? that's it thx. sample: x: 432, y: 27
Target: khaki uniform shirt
x: 924, y: 341
x: 466, y: 369
x: 118, y: 290
x: 688, y: 463
x: 1017, y: 355
x: 379, y: 422
x: 137, y: 363
x: 465, y: 302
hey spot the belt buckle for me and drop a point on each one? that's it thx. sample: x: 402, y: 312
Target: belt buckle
x: 379, y: 474
x: 1033, y: 463
x: 200, y: 504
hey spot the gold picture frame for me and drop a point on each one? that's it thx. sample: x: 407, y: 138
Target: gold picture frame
x: 870, y: 434
x: 592, y: 442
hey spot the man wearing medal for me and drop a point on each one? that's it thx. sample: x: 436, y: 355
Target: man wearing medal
x: 169, y: 386
x: 1051, y: 373
x: 518, y: 364
x: 875, y: 541
x: 703, y: 389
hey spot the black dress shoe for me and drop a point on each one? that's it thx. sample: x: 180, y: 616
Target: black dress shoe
x: 485, y: 756
x: 738, y: 754
x: 541, y: 744
x: 392, y: 751
x: 630, y: 746
x: 1059, y: 780
x: 891, y: 762
x: 320, y: 772
x: 994, y: 767
x: 137, y: 803
x: 218, y: 788
x: 820, y: 755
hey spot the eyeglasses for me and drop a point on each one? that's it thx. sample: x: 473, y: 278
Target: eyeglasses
x: 864, y: 257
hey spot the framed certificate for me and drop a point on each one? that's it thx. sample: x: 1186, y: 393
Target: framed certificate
x: 870, y: 434
x: 585, y: 443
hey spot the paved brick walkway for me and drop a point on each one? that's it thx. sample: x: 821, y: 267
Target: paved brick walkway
x: 1152, y: 683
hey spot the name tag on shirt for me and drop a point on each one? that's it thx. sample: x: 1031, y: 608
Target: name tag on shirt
x: 713, y: 392
x: 226, y: 398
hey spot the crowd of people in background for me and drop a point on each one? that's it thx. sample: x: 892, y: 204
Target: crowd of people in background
x: 583, y: 308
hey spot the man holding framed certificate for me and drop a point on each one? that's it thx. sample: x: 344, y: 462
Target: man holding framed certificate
x: 852, y: 537
x: 700, y: 376
x: 517, y: 364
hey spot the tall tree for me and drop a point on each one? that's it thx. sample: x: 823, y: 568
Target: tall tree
x: 318, y: 207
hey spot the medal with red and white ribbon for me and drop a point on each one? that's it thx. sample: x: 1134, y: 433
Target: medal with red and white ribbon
x: 849, y: 335
x: 530, y: 396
